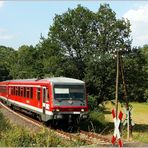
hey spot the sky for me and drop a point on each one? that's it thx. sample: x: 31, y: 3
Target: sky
x: 23, y: 22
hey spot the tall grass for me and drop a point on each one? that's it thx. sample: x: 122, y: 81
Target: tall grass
x: 12, y: 136
x: 139, y: 117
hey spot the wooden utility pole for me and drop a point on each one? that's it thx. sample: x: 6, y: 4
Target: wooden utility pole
x: 117, y: 85
x: 128, y: 114
x: 117, y: 118
x: 120, y: 69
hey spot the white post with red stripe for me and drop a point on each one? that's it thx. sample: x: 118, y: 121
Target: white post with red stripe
x: 116, y: 134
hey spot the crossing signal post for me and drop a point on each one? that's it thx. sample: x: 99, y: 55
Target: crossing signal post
x: 116, y: 134
x: 117, y: 119
x: 128, y: 107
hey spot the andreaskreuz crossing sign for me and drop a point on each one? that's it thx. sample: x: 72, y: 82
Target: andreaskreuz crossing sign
x: 116, y: 134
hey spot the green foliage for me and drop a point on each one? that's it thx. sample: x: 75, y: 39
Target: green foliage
x: 50, y: 140
x: 81, y: 35
x: 4, y: 125
x: 97, y: 117
x: 16, y: 137
x: 96, y: 121
x: 141, y: 136
x: 100, y: 77
x: 146, y: 95
x: 72, y: 32
x: 135, y: 75
x: 111, y: 33
x: 92, y: 102
x: 50, y: 58
x: 25, y: 63
x: 6, y: 61
x: 82, y: 44
x: 12, y: 136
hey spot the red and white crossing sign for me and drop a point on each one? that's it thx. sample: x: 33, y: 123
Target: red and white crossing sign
x: 116, y: 134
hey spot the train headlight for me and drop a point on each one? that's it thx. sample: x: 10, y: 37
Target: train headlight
x: 82, y: 110
x: 57, y: 110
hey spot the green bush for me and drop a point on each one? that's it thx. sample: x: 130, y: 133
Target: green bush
x: 92, y: 103
x: 97, y: 117
x: 4, y: 125
x: 46, y: 138
x: 96, y: 122
x: 146, y: 95
x: 16, y: 137
x: 12, y: 136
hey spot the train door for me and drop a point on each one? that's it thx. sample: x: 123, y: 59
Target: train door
x: 44, y: 98
x: 39, y: 97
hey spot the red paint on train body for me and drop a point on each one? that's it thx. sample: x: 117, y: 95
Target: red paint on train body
x: 47, y: 97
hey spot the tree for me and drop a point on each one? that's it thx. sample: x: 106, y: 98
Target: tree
x: 112, y: 34
x: 50, y: 57
x: 7, y: 57
x: 135, y: 74
x: 84, y: 43
x: 25, y: 63
x: 72, y: 33
x: 144, y: 51
x: 100, y: 77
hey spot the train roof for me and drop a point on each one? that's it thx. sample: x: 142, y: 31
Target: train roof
x: 64, y: 80
x: 47, y: 80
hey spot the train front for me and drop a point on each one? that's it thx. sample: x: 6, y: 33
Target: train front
x: 69, y: 99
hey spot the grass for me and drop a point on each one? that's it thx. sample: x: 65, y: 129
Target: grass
x: 95, y: 123
x: 140, y: 113
x: 17, y: 137
x: 14, y: 136
x: 139, y: 116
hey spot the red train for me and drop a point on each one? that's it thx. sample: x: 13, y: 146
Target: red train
x: 48, y: 99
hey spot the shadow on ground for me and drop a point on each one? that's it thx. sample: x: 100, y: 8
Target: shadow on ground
x: 141, y: 127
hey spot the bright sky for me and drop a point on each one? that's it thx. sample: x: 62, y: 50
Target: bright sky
x: 22, y: 22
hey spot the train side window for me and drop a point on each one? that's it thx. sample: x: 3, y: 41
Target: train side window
x: 38, y: 94
x: 18, y: 91
x: 31, y: 92
x: 24, y: 92
x: 44, y: 93
x: 11, y: 90
x: 47, y: 93
x: 28, y: 92
x: 15, y: 90
x: 21, y: 91
x: 3, y: 89
x: 0, y: 89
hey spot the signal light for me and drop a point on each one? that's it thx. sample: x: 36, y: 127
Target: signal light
x: 82, y: 110
x: 57, y: 110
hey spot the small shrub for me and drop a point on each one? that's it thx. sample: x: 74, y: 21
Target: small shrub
x: 97, y: 117
x: 146, y: 95
x: 45, y: 138
x: 4, y: 124
x: 96, y: 122
x: 12, y: 136
x: 16, y: 137
x: 92, y: 103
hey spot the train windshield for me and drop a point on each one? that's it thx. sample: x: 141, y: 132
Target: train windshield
x: 66, y: 92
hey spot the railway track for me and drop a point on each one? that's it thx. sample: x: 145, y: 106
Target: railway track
x: 95, y: 138
x: 88, y: 138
